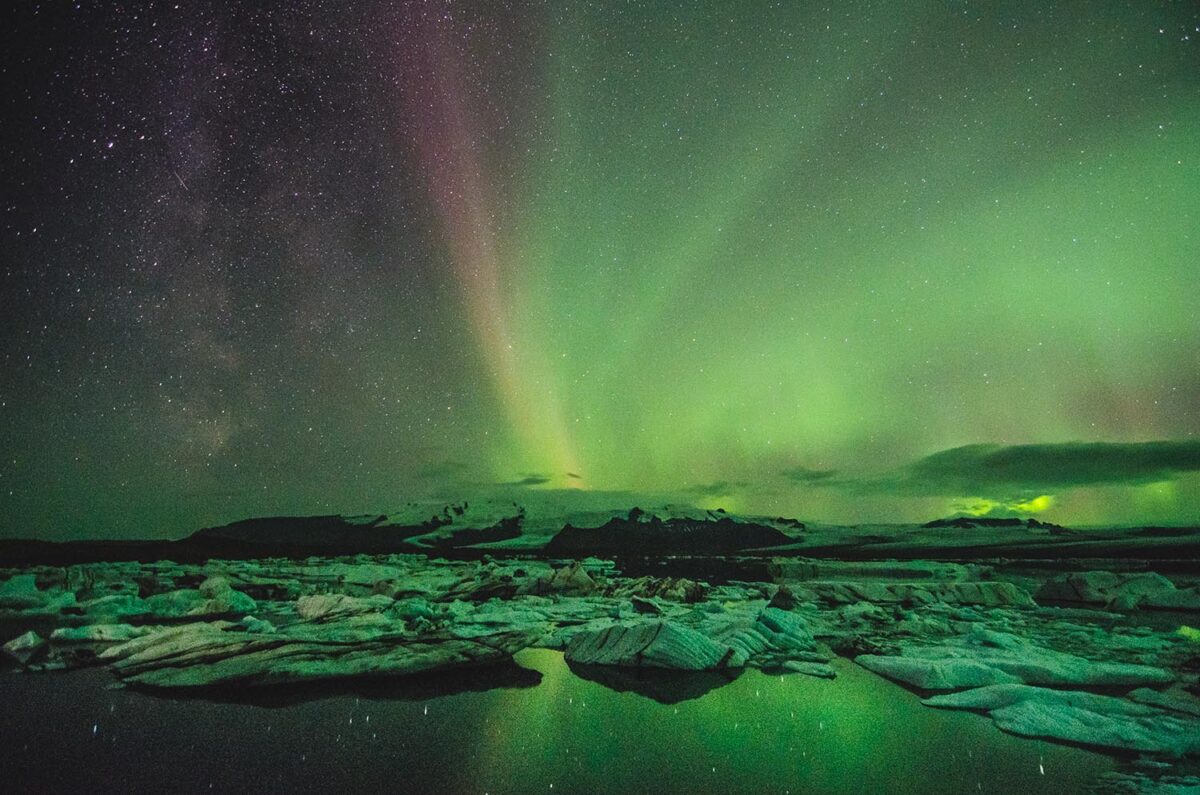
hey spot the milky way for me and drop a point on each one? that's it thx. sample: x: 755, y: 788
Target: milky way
x: 323, y: 257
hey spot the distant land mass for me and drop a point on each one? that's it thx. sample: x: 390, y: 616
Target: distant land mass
x: 507, y: 529
x: 971, y: 522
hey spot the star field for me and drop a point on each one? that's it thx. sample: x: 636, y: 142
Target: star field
x: 319, y: 257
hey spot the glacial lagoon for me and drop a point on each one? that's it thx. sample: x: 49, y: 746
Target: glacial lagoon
x: 535, y: 726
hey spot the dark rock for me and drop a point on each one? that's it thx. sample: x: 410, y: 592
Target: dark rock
x: 783, y: 598
x: 645, y: 606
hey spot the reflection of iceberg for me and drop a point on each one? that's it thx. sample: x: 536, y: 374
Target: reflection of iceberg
x: 762, y: 733
x: 414, y: 687
x: 661, y: 685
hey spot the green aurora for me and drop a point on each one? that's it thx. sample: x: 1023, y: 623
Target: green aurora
x: 770, y: 258
x: 733, y: 258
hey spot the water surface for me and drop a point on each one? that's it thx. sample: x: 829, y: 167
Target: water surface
x: 542, y: 729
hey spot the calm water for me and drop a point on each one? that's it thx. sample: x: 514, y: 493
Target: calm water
x: 544, y: 729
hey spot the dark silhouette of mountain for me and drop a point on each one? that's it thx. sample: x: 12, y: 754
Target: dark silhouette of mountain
x: 312, y: 534
x: 641, y: 535
x: 700, y: 545
x: 339, y: 535
x: 273, y: 536
x: 974, y: 522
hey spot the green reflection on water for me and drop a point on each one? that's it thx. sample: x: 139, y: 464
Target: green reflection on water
x: 758, y: 733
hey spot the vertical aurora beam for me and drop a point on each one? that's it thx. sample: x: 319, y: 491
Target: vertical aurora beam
x: 741, y: 259
x: 447, y: 139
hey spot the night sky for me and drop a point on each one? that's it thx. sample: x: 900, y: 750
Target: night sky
x: 855, y: 262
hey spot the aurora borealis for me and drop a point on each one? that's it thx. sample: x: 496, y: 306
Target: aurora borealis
x: 841, y: 263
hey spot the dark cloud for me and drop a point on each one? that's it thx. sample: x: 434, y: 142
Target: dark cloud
x: 1022, y: 471
x: 806, y: 475
x: 719, y: 488
x: 528, y: 480
x: 573, y: 476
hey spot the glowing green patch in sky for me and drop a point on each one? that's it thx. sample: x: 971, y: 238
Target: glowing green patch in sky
x: 751, y: 241
x: 762, y: 256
